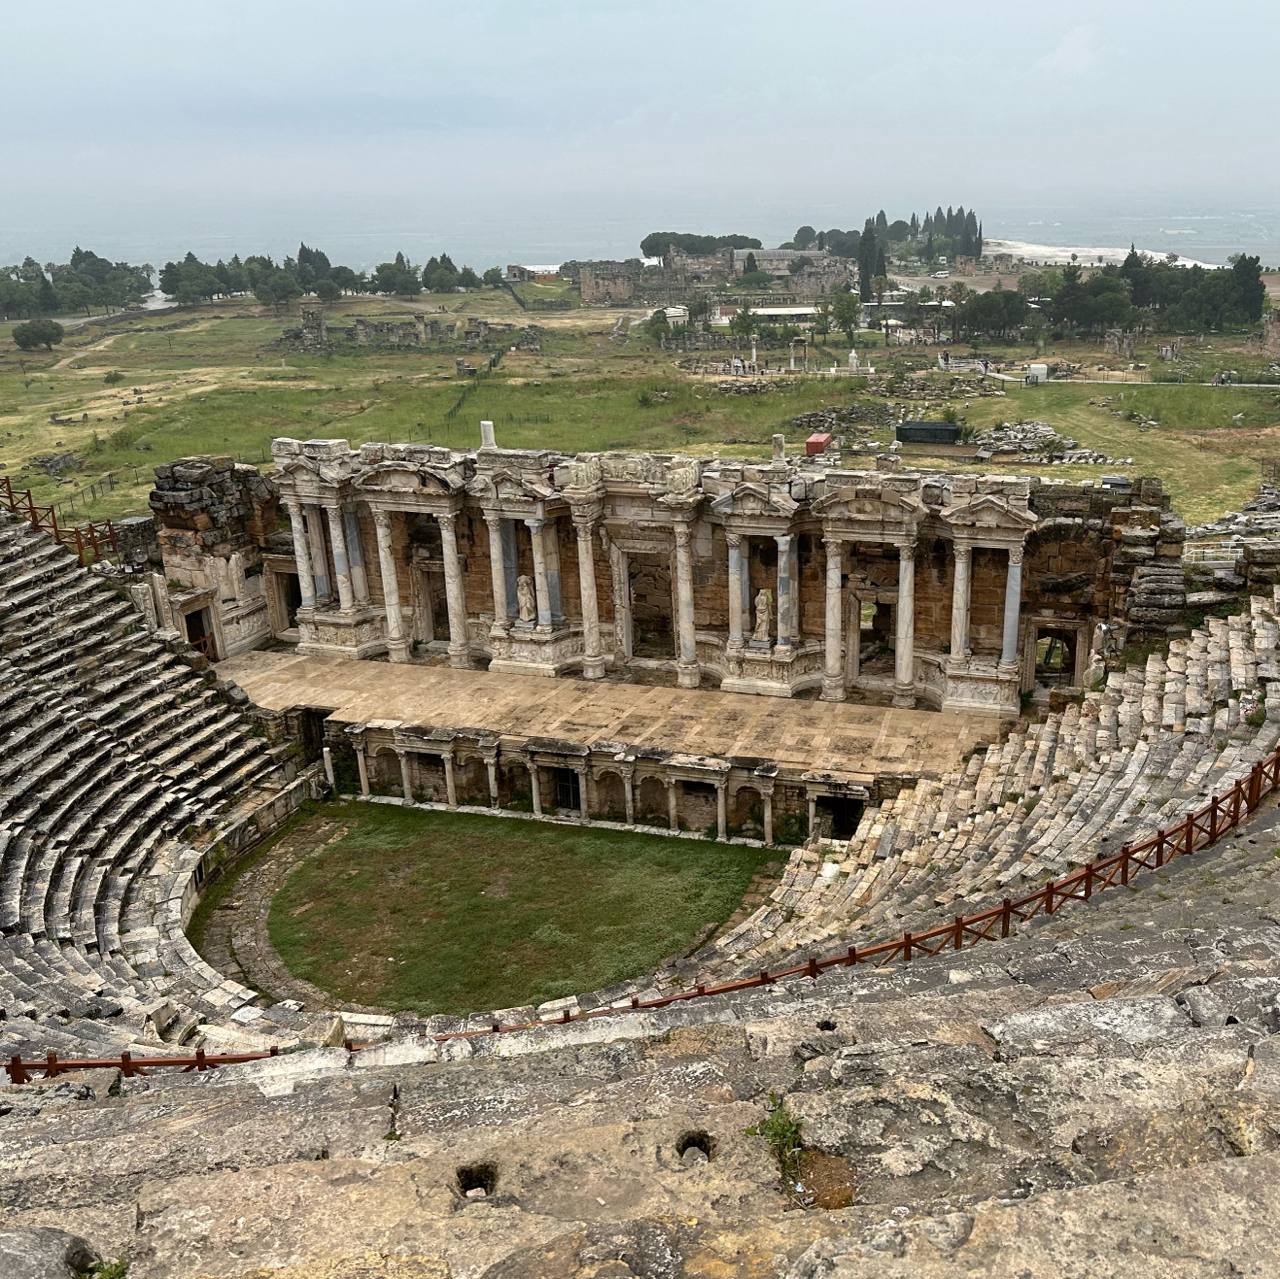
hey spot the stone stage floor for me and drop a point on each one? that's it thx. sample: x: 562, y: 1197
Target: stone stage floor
x: 854, y: 741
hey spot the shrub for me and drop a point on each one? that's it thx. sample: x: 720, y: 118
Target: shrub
x: 112, y: 376
x: 783, y: 1131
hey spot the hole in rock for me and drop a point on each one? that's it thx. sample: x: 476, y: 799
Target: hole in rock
x: 695, y: 1139
x: 826, y: 1024
x: 477, y: 1181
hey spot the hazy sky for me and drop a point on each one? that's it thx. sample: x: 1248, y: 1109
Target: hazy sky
x: 246, y: 122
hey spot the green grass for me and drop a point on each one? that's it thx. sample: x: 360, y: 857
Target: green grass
x: 453, y: 913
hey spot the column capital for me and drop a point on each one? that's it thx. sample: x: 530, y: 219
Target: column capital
x: 733, y: 539
x: 586, y: 516
x: 493, y: 518
x: 1016, y: 553
x: 962, y: 550
x: 834, y: 545
x: 332, y: 504
x: 683, y: 534
x: 780, y: 538
x: 292, y: 503
x: 381, y: 519
x: 906, y: 547
x: 626, y: 770
x: 446, y: 518
x: 534, y: 522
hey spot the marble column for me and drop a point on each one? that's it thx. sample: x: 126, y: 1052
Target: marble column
x: 722, y: 810
x: 673, y: 817
x: 621, y: 596
x: 455, y: 600
x: 551, y: 553
x: 687, y: 673
x: 904, y: 666
x: 498, y: 573
x: 962, y: 558
x: 341, y: 568
x: 362, y: 767
x: 535, y: 788
x: 540, y: 585
x: 592, y: 657
x: 406, y: 777
x: 628, y: 792
x: 301, y: 554
x: 450, y: 785
x: 355, y: 554
x: 783, y: 602
x: 491, y: 767
x: 319, y: 555
x: 833, y: 667
x: 767, y: 795
x: 1012, y: 607
x: 734, y: 541
x: 813, y: 815
x: 397, y: 645
x: 584, y: 808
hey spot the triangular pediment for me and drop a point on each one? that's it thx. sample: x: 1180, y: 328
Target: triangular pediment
x: 989, y: 512
x: 756, y: 499
x: 402, y: 477
x: 882, y: 506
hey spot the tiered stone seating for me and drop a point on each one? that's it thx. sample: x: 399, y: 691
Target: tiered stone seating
x: 1099, y: 1095
x: 1131, y: 757
x: 112, y: 746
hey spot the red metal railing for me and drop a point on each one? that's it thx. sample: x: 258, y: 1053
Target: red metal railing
x: 98, y: 536
x: 1198, y: 829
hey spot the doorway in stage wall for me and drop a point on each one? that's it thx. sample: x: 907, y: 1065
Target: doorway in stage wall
x: 200, y: 636
x: 652, y: 605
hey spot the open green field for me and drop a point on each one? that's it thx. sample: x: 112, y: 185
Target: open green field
x: 449, y: 912
x: 218, y: 379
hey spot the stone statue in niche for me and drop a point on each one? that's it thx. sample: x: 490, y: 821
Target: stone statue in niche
x: 764, y: 616
x: 526, y: 602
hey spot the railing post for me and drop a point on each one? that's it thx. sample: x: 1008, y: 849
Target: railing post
x: 126, y: 1065
x: 957, y: 939
x: 1006, y: 917
x: 50, y: 1065
x: 1213, y: 818
x: 201, y: 1064
x: 1088, y: 880
x: 906, y: 948
x: 1126, y: 863
x: 17, y: 1073
x: 1254, y: 797
x: 851, y: 957
x: 811, y: 968
x: 1188, y: 835
x: 1048, y: 897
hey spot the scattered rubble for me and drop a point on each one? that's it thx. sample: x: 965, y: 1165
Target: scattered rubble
x: 1039, y: 442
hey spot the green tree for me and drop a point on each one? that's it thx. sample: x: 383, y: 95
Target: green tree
x: 744, y: 323
x: 658, y: 326
x: 36, y: 333
x: 804, y: 237
x: 749, y: 267
x: 327, y: 291
x: 493, y: 276
x: 846, y: 312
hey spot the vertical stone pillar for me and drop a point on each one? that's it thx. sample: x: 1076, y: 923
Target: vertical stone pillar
x: 540, y: 585
x: 904, y: 665
x: 450, y: 786
x: 687, y: 672
x: 1012, y: 607
x: 813, y: 814
x: 767, y: 794
x: 397, y: 645
x: 673, y: 817
x: 301, y: 553
x: 621, y: 596
x: 833, y: 666
x: 592, y: 657
x: 535, y: 788
x: 734, y: 541
x: 498, y: 574
x: 796, y: 634
x: 355, y: 554
x: 406, y: 776
x: 491, y: 767
x: 722, y: 809
x: 319, y: 556
x: 784, y: 590
x: 455, y: 600
x: 551, y: 552
x: 963, y: 557
x: 584, y: 806
x: 628, y: 792
x: 362, y: 766
x: 341, y: 568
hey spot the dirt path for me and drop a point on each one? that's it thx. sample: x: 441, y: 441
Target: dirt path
x: 100, y: 345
